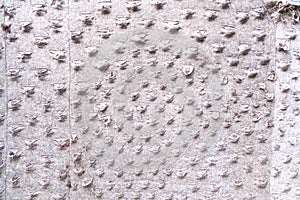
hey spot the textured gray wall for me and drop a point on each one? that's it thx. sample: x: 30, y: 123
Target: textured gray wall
x: 191, y: 99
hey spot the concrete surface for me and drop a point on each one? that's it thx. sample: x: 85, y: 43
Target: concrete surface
x: 178, y: 99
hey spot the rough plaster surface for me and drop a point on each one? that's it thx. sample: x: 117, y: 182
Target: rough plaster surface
x: 191, y: 99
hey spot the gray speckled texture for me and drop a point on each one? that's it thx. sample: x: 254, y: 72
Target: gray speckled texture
x: 190, y: 99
